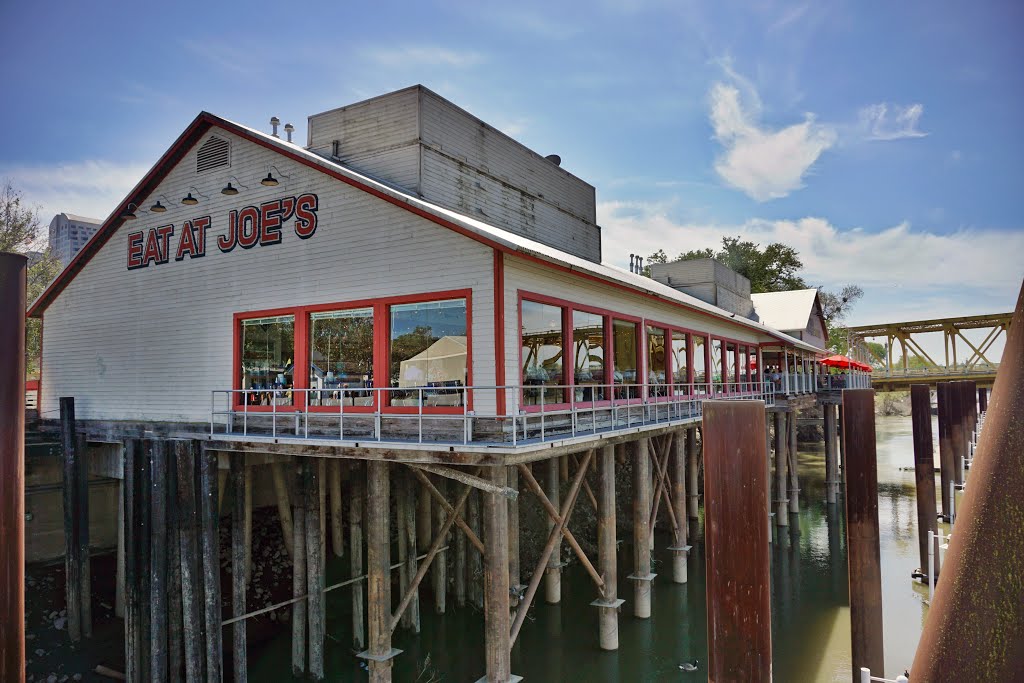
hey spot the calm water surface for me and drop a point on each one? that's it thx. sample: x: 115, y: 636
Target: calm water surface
x: 810, y: 604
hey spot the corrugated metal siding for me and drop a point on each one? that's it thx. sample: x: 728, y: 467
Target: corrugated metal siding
x: 150, y: 344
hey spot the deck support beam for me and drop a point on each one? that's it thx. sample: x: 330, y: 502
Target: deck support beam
x: 78, y: 578
x: 693, y: 457
x: 378, y: 560
x: 356, y: 500
x: 497, y: 623
x: 553, y: 573
x: 680, y: 549
x: 313, y: 490
x: 781, y: 475
x: 608, y: 607
x: 794, y: 461
x: 830, y: 453
x: 439, y: 569
x: 642, y: 576
x: 239, y: 537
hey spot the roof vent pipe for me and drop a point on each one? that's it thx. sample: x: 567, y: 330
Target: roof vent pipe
x: 289, y: 129
x: 274, y: 123
x: 632, y: 267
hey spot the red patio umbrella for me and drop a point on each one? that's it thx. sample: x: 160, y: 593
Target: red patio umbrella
x: 841, y: 361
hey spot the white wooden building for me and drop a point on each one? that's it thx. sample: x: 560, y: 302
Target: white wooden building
x: 402, y: 222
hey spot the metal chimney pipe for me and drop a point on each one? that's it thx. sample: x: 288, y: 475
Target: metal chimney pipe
x: 289, y: 129
x: 631, y: 259
x: 274, y: 123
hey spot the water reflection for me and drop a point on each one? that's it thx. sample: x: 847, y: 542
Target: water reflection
x: 810, y: 614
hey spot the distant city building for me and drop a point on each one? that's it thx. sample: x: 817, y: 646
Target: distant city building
x: 69, y: 233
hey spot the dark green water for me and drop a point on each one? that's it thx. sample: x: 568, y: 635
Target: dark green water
x: 810, y: 613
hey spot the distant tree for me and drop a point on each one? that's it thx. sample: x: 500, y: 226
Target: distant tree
x: 22, y: 233
x: 775, y: 268
x: 835, y: 306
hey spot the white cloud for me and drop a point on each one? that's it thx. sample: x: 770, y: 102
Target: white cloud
x: 884, y: 121
x: 763, y: 163
x: 89, y: 188
x: 423, y: 55
x: 907, y: 273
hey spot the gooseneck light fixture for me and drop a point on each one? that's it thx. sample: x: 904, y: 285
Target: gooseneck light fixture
x: 270, y: 180
x: 230, y: 189
x: 189, y: 200
x: 129, y: 213
x: 158, y: 207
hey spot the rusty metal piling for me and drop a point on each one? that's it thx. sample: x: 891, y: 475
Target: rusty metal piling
x: 738, y: 581
x: 862, y: 530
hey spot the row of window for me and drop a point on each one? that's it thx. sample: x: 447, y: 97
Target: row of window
x: 424, y: 344
x: 583, y: 353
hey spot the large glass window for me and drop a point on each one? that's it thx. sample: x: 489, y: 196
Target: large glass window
x: 341, y: 357
x: 717, y: 376
x: 744, y: 367
x: 679, y: 363
x: 731, y: 370
x: 429, y: 349
x: 542, y: 353
x: 657, y: 362
x: 268, y: 353
x: 589, y: 349
x: 625, y: 356
x: 700, y: 369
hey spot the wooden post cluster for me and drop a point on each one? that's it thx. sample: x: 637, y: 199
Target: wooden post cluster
x: 781, y: 470
x: 794, y: 461
x: 642, y: 576
x: 831, y: 465
x: 78, y: 576
x: 172, y: 563
x: 924, y: 466
x: 946, y: 447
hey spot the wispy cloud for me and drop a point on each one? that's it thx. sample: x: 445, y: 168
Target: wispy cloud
x: 420, y: 55
x: 789, y: 16
x: 762, y: 162
x: 88, y: 188
x: 970, y: 270
x: 885, y: 121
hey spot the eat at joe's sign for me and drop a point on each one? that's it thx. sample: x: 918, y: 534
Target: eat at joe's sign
x: 247, y: 228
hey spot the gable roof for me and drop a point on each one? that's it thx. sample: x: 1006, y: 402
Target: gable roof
x: 494, y: 237
x: 785, y: 310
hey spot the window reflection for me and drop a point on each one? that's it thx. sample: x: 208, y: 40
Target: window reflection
x: 731, y: 363
x: 717, y: 376
x: 625, y: 359
x: 657, y: 362
x: 680, y: 380
x: 589, y: 350
x: 341, y: 357
x: 429, y: 348
x: 268, y: 350
x: 700, y: 371
x: 542, y: 353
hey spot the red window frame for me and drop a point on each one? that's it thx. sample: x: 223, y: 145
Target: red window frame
x: 381, y: 350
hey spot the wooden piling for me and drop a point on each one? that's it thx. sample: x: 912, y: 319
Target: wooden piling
x: 356, y: 500
x: 300, y: 608
x: 692, y: 472
x: 239, y: 554
x: 553, y: 573
x: 75, y: 487
x: 924, y: 467
x: 736, y: 541
x: 841, y: 468
x: 158, y: 559
x: 460, y: 568
x: 830, y: 453
x: 781, y: 470
x: 497, y: 622
x: 284, y: 508
x: 144, y: 540
x: 476, y: 558
x: 408, y: 529
x: 439, y: 567
x: 247, y: 529
x: 321, y: 492
x: 378, y: 585
x: 337, y: 537
x: 175, y: 625
x: 315, y: 532
x: 209, y: 535
x: 191, y: 577
x: 514, y: 578
x: 642, y: 576
x: 862, y: 531
x: 680, y: 550
x: 982, y: 400
x: 608, y: 607
x: 131, y: 455
x: 794, y: 475
x: 119, y: 589
x: 424, y: 517
x: 946, y: 449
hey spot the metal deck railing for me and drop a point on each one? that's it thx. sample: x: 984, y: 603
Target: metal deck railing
x: 445, y: 415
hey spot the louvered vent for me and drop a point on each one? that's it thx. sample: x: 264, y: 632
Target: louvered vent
x: 214, y: 153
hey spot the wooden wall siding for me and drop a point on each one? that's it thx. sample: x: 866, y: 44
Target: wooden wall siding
x: 150, y: 344
x: 417, y: 140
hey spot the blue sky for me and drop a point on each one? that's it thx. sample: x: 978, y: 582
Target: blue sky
x: 882, y: 140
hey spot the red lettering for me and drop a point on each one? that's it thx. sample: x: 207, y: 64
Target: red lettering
x: 270, y: 222
x: 227, y: 242
x: 248, y: 227
x: 305, y: 213
x: 200, y: 225
x: 164, y: 233
x: 135, y: 250
x: 287, y: 208
x: 187, y: 244
x: 152, y: 252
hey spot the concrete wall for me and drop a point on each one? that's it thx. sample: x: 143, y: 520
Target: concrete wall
x: 709, y: 281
